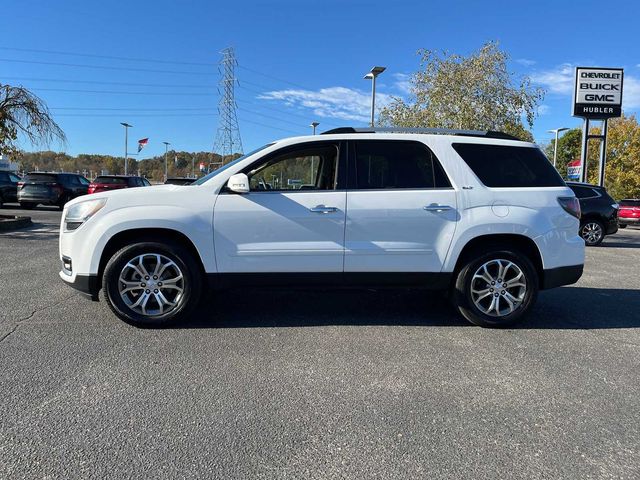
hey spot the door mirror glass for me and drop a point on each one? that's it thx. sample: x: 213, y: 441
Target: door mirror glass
x: 238, y: 183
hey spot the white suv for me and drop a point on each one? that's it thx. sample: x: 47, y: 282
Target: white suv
x: 479, y: 214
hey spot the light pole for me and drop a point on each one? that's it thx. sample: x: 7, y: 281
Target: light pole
x: 375, y: 71
x: 166, y: 168
x: 555, y: 145
x: 314, y: 125
x: 126, y: 143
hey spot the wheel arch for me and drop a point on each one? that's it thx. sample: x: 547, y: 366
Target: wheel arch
x: 137, y: 235
x: 483, y: 243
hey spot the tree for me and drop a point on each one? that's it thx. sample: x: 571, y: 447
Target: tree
x: 622, y: 174
x: 474, y: 92
x: 21, y: 112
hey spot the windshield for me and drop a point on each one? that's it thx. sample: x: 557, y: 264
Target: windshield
x: 230, y: 164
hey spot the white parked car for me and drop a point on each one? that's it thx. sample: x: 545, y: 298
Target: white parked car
x: 479, y: 214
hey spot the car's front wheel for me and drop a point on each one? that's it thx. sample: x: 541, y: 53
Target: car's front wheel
x: 152, y: 283
x: 496, y: 289
x: 592, y: 232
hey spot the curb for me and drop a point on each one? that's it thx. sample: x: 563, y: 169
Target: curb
x: 12, y: 222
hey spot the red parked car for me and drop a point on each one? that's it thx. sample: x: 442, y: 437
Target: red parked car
x: 629, y: 213
x: 105, y: 183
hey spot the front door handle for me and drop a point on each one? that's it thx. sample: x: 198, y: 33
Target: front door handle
x: 323, y: 209
x: 437, y: 208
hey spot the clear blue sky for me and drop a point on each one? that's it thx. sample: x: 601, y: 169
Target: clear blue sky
x: 299, y: 61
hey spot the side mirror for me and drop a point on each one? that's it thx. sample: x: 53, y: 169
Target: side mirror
x: 238, y: 183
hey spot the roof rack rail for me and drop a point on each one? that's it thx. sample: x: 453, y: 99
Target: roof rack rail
x: 441, y: 131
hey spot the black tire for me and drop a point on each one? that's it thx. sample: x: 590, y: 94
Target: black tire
x: 1, y: 202
x: 192, y: 283
x: 586, y: 232
x: 622, y: 226
x: 28, y: 205
x: 461, y: 295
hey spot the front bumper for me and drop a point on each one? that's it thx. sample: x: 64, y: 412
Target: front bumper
x: 556, y: 277
x: 88, y: 285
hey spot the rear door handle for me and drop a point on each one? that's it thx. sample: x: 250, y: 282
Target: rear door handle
x: 437, y: 208
x: 323, y: 209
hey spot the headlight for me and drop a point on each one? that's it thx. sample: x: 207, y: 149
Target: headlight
x: 81, y: 212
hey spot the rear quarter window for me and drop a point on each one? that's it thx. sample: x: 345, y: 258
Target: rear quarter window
x: 509, y: 166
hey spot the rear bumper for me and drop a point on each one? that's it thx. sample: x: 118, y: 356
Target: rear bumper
x: 629, y: 221
x: 51, y: 199
x: 86, y: 284
x: 556, y: 277
x: 612, y: 226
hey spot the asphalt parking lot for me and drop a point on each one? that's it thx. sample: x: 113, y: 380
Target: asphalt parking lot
x: 357, y: 384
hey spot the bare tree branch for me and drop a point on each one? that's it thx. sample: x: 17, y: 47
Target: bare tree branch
x: 23, y: 112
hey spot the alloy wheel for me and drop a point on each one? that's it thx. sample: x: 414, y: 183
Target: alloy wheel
x: 498, y: 287
x: 151, y: 284
x: 591, y: 232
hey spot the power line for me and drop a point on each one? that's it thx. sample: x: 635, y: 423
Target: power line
x: 269, y: 126
x: 269, y: 116
x: 133, y: 109
x: 95, y: 82
x: 103, y: 67
x: 109, y: 57
x: 272, y: 77
x: 137, y: 115
x: 306, y: 117
x: 123, y: 92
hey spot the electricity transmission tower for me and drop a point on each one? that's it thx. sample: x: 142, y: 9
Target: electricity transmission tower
x: 228, y: 139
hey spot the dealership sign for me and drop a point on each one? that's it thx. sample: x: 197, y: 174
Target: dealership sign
x: 598, y: 93
x: 574, y: 169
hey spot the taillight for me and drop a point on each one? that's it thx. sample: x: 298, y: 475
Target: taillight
x: 571, y: 205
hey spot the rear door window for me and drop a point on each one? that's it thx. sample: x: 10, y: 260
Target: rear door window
x: 111, y: 180
x: 509, y: 166
x: 395, y: 164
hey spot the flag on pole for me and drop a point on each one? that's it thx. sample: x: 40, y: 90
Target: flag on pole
x: 142, y: 143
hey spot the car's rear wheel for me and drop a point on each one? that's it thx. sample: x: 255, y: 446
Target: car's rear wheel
x: 496, y: 289
x: 152, y: 284
x: 28, y: 205
x: 622, y: 225
x: 592, y: 232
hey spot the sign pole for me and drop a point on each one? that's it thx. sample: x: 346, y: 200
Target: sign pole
x: 584, y: 150
x: 603, y: 152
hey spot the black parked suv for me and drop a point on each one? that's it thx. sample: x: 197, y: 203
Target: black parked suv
x: 599, y: 212
x: 8, y: 187
x: 50, y: 188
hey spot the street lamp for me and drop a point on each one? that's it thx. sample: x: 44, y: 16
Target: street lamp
x: 375, y: 71
x: 166, y: 168
x: 126, y: 143
x: 314, y: 125
x: 555, y: 145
